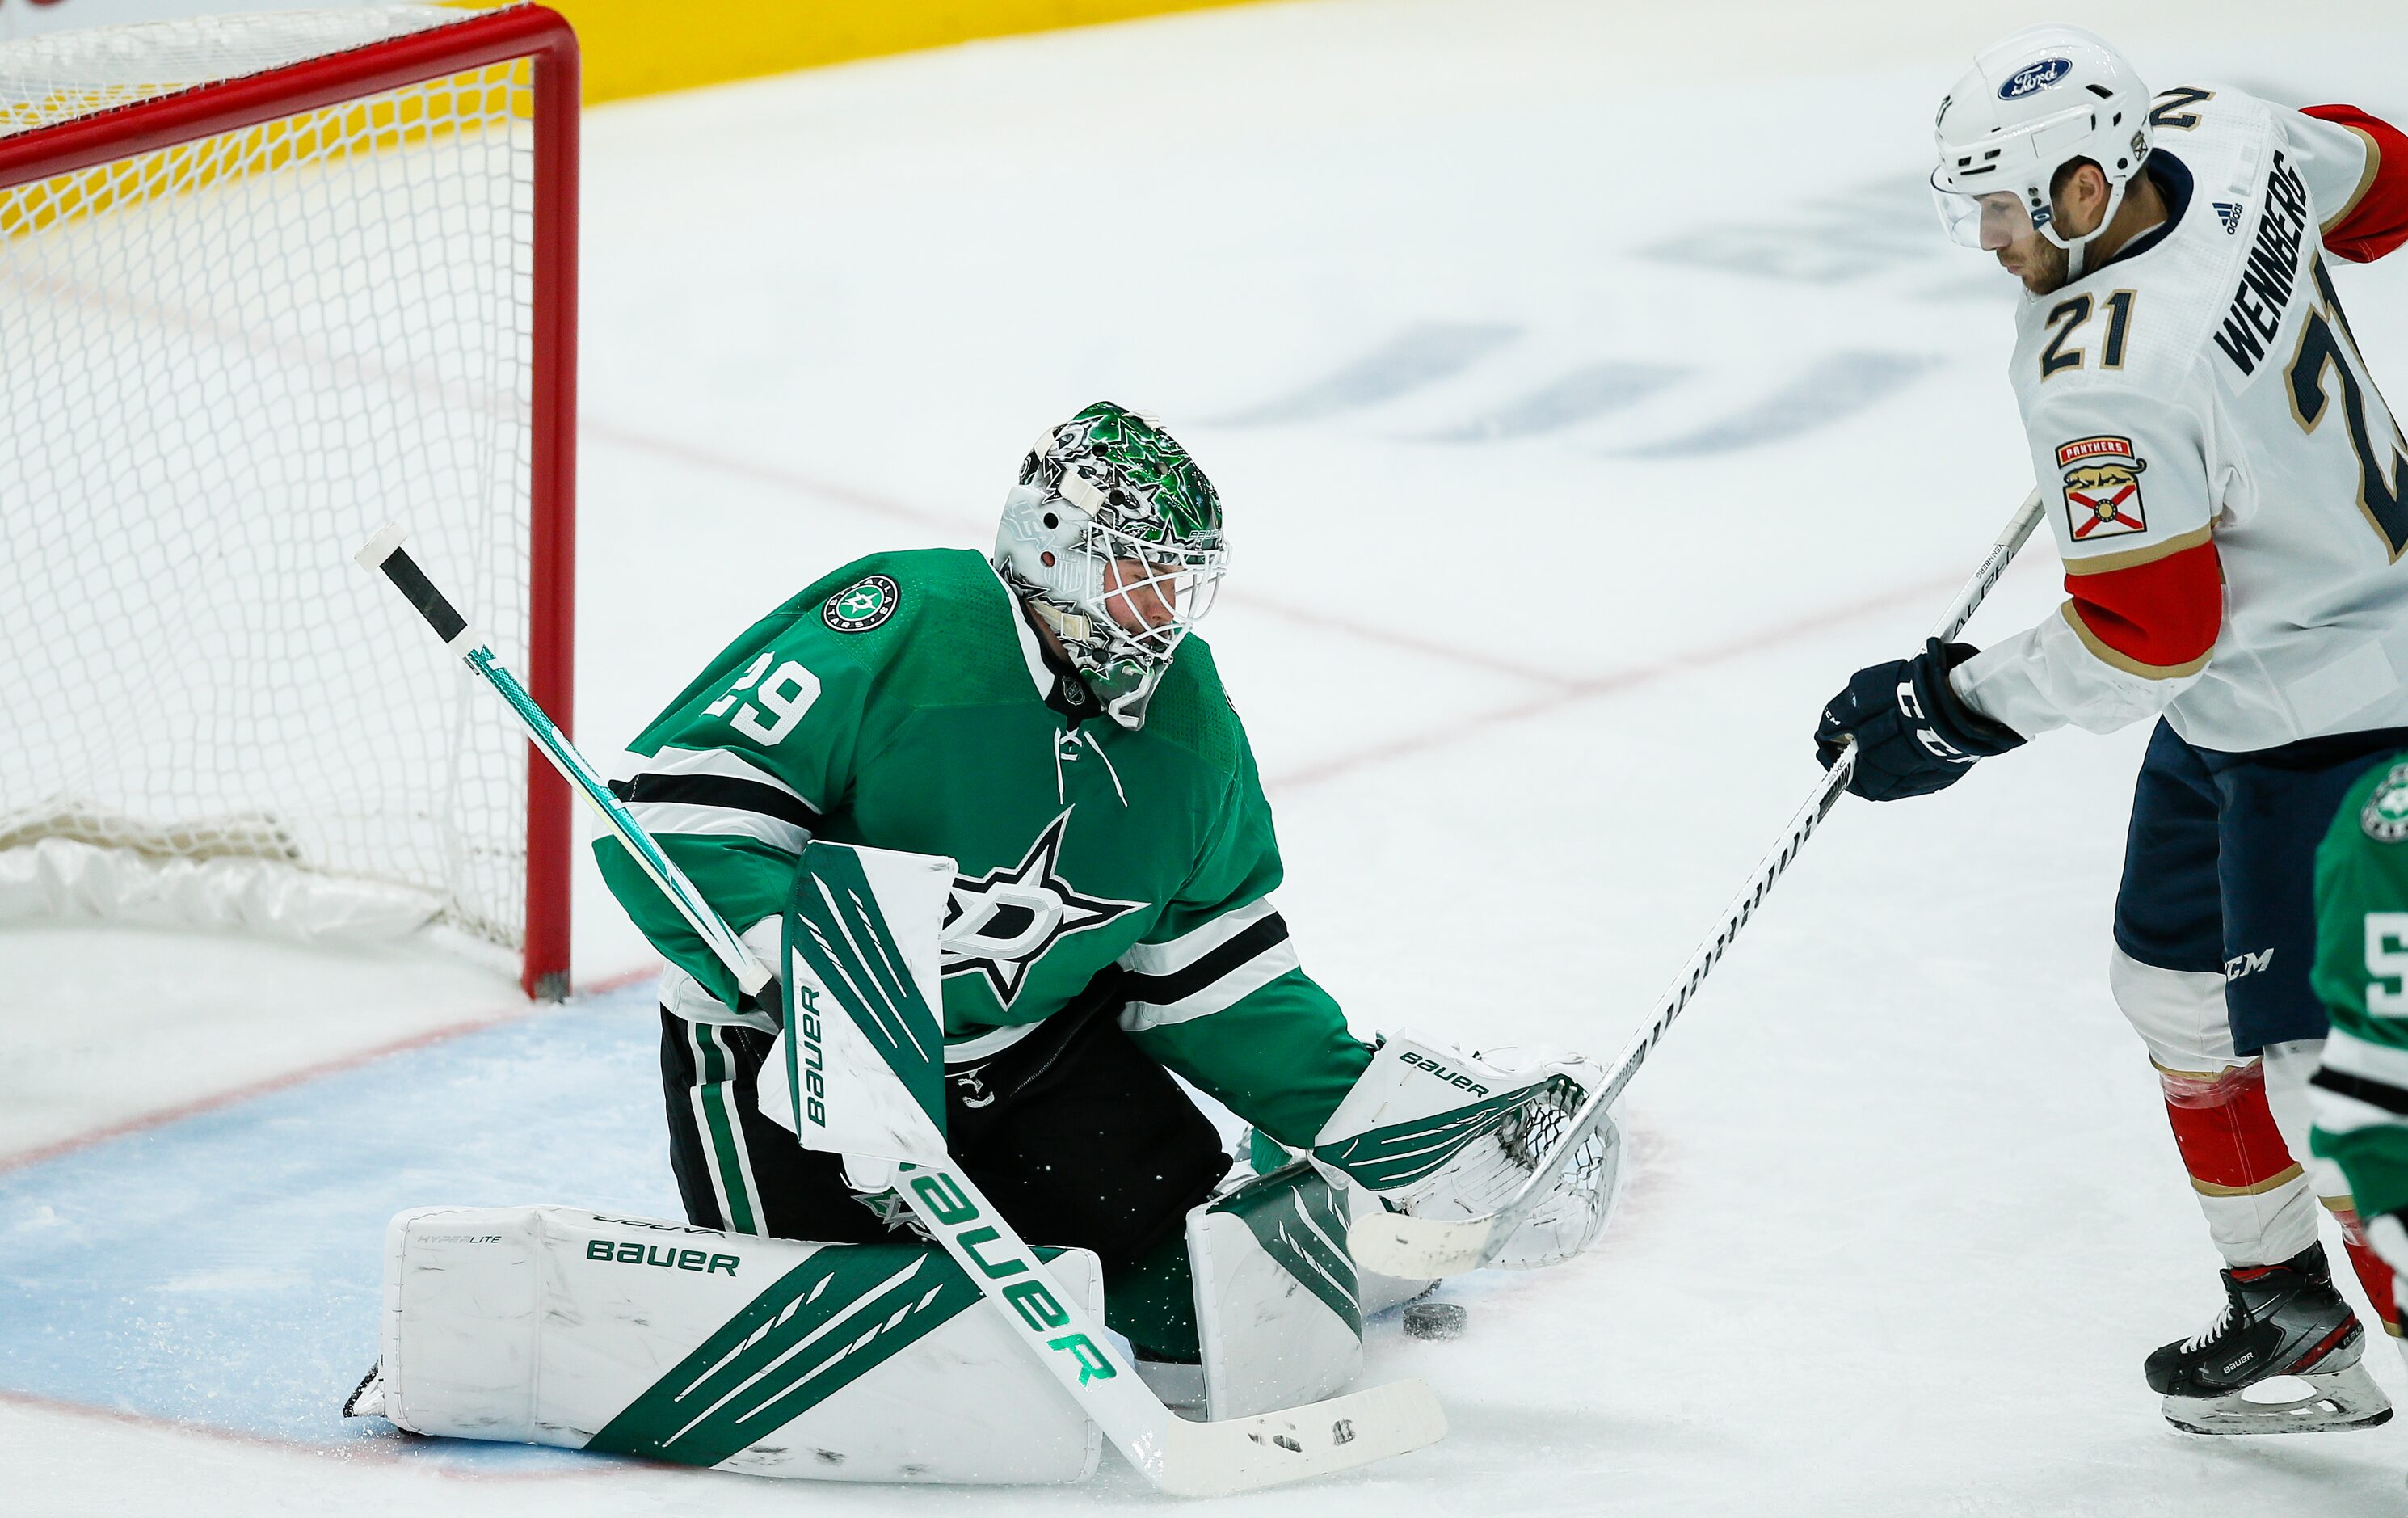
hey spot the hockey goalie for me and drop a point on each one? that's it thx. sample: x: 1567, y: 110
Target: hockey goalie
x: 1023, y: 769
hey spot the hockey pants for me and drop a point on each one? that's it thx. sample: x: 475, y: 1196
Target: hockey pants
x: 1077, y: 1137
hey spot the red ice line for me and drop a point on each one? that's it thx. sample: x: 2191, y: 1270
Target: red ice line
x: 385, y: 1453
x: 162, y: 1116
x: 1561, y: 691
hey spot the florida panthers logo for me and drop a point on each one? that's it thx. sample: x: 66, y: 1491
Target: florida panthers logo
x: 1003, y: 922
x: 2102, y: 488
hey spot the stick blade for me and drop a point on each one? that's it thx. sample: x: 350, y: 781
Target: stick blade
x: 1418, y: 1248
x: 1294, y: 1444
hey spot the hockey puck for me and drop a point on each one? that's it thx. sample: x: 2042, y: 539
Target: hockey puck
x: 1436, y: 1319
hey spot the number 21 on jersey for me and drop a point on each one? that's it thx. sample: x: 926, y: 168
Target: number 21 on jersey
x: 2056, y: 357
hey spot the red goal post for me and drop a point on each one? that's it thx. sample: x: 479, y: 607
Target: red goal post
x: 405, y: 98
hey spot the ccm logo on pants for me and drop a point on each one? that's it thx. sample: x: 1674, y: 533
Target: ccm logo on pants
x: 2248, y: 964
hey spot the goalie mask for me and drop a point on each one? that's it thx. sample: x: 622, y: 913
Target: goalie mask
x: 2031, y: 104
x: 1112, y: 537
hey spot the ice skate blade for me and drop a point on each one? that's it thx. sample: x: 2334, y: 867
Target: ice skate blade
x: 2332, y: 1401
x: 367, y: 1398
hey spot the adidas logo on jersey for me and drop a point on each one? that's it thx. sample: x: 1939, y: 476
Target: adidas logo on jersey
x: 2228, y: 212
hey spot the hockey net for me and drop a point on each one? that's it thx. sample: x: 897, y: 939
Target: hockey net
x: 266, y: 283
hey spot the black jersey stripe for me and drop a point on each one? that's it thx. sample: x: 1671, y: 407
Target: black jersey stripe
x: 2381, y: 1093
x: 1256, y: 940
x: 735, y: 795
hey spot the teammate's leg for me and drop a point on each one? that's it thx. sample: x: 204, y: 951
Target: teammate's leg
x: 2276, y: 806
x: 734, y: 1169
x: 2288, y: 1068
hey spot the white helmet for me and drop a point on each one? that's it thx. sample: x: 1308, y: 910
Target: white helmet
x: 1113, y: 539
x: 2031, y: 104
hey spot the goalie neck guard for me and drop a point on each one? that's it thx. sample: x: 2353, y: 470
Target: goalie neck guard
x: 2031, y: 104
x: 1113, y: 539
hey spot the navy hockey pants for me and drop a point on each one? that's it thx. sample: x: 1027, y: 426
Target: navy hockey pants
x: 2219, y: 870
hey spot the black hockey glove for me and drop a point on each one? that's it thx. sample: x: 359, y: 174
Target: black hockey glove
x: 1915, y: 735
x: 770, y: 998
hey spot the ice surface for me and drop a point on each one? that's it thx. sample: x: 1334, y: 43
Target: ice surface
x: 1591, y: 393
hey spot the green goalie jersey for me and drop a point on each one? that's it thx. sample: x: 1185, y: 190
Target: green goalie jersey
x: 904, y: 703
x: 2361, y: 976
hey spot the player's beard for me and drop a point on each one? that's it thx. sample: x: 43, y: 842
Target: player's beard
x: 2047, y: 270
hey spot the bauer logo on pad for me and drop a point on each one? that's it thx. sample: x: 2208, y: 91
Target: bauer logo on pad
x: 2102, y: 488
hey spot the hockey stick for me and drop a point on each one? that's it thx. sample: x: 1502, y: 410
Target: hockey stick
x: 1424, y: 1248
x: 1181, y: 1457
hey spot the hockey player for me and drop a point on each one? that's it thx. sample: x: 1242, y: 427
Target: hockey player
x: 2226, y: 489
x: 2361, y: 1092
x: 1045, y: 719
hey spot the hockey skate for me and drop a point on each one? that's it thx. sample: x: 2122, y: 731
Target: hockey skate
x: 2282, y: 1357
x: 367, y: 1398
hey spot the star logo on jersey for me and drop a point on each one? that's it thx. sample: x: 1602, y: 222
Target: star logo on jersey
x: 1001, y: 924
x: 2385, y: 816
x: 862, y: 605
x: 2102, y: 488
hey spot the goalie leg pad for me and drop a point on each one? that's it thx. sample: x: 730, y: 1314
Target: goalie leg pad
x: 1278, y: 1303
x: 833, y: 1361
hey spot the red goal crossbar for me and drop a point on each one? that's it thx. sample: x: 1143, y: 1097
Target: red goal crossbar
x: 546, y: 39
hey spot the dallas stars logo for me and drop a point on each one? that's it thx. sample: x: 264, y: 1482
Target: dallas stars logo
x: 861, y: 605
x: 2385, y: 816
x: 1003, y: 923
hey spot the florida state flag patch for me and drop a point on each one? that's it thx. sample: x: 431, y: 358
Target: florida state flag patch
x: 2102, y: 488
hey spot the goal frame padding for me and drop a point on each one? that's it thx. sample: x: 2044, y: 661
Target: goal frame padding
x: 545, y: 38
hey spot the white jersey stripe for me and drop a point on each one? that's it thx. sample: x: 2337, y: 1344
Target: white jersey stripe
x: 723, y: 762
x: 668, y: 817
x: 1179, y: 953
x: 1231, y: 989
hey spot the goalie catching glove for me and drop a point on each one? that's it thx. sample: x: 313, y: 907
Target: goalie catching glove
x: 1436, y: 1132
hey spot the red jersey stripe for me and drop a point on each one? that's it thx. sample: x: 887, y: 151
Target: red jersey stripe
x: 2160, y: 615
x: 2378, y: 221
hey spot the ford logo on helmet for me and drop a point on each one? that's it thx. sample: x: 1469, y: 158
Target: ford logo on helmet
x: 2039, y: 76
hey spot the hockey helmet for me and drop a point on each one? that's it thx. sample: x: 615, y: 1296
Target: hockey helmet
x: 1113, y: 536
x: 2031, y: 104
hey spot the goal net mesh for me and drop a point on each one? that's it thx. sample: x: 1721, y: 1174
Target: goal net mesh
x: 229, y: 361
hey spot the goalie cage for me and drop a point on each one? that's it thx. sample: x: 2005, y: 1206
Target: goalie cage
x: 264, y: 282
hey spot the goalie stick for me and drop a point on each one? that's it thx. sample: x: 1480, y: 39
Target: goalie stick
x: 1177, y: 1456
x: 1425, y: 1249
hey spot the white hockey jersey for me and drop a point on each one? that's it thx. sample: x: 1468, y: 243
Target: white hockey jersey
x: 2224, y: 480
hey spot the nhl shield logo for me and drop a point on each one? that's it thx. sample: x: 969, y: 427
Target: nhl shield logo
x: 2102, y: 488
x: 862, y: 605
